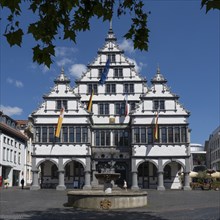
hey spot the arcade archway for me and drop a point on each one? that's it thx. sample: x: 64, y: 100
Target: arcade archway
x: 147, y: 175
x: 172, y: 178
x: 48, y: 175
x: 74, y: 175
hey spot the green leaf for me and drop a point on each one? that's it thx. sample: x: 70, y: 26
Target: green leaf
x: 210, y: 4
x: 13, y: 5
x: 15, y: 37
x: 43, y: 56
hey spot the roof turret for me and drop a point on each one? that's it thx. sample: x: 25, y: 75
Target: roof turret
x: 158, y: 78
x: 62, y: 78
x: 110, y: 35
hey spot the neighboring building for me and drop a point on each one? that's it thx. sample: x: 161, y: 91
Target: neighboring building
x: 141, y: 132
x: 23, y: 126
x: 198, y: 157
x: 12, y: 150
x: 212, y: 147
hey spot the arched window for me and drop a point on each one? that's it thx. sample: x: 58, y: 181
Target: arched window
x: 54, y: 172
x: 167, y: 172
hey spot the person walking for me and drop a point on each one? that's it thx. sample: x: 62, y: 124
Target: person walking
x: 22, y: 183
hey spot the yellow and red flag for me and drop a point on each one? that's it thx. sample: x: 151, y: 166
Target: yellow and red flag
x: 89, y: 107
x: 59, y: 123
x: 126, y: 105
x: 156, y: 126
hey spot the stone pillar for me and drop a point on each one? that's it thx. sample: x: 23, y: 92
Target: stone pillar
x: 87, y: 185
x: 35, y: 182
x: 134, y: 172
x: 160, y: 185
x: 134, y: 181
x: 186, y: 175
x: 61, y: 172
x: 160, y: 181
x: 61, y: 185
x: 35, y: 171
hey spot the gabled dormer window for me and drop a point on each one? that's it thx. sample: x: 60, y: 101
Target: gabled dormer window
x: 118, y: 72
x: 120, y: 108
x: 92, y: 86
x: 110, y: 88
x: 128, y: 88
x: 103, y: 108
x: 61, y: 103
x: 158, y: 105
x: 100, y: 72
x: 111, y: 57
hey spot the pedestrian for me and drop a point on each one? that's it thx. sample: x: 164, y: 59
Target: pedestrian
x: 22, y: 183
x: 125, y: 185
x: 6, y: 183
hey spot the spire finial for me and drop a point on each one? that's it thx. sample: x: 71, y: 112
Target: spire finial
x: 62, y: 70
x: 110, y: 24
x: 158, y: 68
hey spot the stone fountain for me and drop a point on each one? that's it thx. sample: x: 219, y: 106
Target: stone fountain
x: 107, y: 198
x: 106, y: 176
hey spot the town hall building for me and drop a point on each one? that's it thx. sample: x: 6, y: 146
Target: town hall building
x: 111, y: 120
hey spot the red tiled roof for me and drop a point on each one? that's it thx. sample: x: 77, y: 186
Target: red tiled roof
x: 12, y: 131
x: 22, y: 122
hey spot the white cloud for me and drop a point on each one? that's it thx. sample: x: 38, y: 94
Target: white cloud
x: 76, y: 70
x: 33, y: 66
x: 62, y: 62
x: 44, y: 69
x: 10, y: 111
x: 127, y: 46
x: 15, y: 82
x: 64, y: 51
x: 9, y: 80
x: 18, y: 84
x: 138, y: 66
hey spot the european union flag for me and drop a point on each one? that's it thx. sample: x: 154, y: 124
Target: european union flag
x: 105, y: 73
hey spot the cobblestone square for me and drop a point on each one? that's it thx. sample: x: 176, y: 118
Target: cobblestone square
x: 16, y: 203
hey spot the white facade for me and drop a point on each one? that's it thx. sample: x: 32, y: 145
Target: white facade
x: 109, y: 137
x: 12, y: 151
x: 198, y: 156
x: 213, y: 150
x: 24, y: 127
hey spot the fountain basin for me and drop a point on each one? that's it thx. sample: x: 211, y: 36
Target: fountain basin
x: 99, y: 200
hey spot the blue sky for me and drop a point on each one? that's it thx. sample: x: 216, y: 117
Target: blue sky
x: 184, y: 41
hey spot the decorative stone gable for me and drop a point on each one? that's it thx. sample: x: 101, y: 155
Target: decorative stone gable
x: 159, y: 97
x: 123, y: 85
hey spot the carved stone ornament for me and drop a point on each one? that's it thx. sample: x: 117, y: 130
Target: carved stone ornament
x: 105, y: 204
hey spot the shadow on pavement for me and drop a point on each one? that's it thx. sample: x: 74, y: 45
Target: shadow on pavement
x: 74, y: 214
